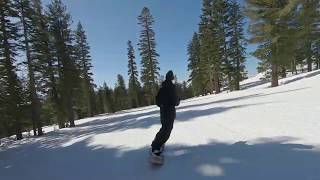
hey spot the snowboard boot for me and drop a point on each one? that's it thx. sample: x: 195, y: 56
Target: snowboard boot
x: 156, y: 157
x: 162, y: 148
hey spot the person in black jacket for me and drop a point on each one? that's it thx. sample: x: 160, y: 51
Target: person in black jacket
x: 166, y: 99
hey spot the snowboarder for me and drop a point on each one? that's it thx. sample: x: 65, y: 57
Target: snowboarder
x: 166, y: 99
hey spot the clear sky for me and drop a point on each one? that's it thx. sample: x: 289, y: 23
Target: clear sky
x: 111, y: 23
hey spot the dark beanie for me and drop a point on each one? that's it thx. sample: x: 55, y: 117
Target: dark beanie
x: 169, y: 76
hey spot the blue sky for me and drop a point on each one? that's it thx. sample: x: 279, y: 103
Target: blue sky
x: 111, y: 23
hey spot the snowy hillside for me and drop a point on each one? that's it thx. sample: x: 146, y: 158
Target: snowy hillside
x: 259, y: 133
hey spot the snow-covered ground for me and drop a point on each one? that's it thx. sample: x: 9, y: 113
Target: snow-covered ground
x: 259, y: 133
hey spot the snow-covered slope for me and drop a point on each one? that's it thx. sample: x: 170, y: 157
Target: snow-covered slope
x: 259, y: 133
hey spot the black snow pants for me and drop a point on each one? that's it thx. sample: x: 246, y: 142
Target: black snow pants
x: 167, y: 117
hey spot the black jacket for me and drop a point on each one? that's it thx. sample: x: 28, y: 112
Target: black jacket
x: 167, y: 97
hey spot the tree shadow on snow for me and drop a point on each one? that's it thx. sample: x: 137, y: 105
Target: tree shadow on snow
x: 264, y: 81
x: 274, y: 159
x: 128, y: 122
x: 144, y: 120
x: 140, y: 119
x: 257, y: 95
x: 302, y: 77
x: 253, y: 84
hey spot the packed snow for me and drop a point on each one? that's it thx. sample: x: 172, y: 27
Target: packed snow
x: 259, y: 133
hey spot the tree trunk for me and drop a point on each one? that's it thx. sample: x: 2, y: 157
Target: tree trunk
x: 18, y: 132
x: 87, y: 86
x: 89, y: 101
x: 231, y: 86
x: 39, y: 122
x: 47, y: 56
x: 274, y: 75
x: 12, y: 78
x: 238, y: 76
x: 70, y: 109
x: 34, y: 128
x: 89, y: 107
x: 90, y: 113
x: 151, y: 99
x: 309, y: 63
x: 35, y: 103
x: 216, y: 83
x: 58, y: 107
x: 237, y: 85
x: 283, y: 72
x: 18, y: 126
x: 294, y: 67
x: 274, y: 67
x: 56, y: 100
x: 61, y: 120
x: 55, y: 95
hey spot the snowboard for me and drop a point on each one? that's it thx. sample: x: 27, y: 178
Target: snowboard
x: 156, y: 160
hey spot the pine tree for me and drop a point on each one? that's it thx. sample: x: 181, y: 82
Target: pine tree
x: 105, y: 101
x: 317, y: 53
x: 309, y: 20
x: 206, y: 44
x: 26, y: 16
x: 221, y: 42
x: 11, y: 85
x: 108, y: 102
x: 316, y: 48
x: 221, y: 33
x: 291, y: 44
x: 43, y: 54
x: 134, y: 85
x: 82, y: 53
x: 187, y: 91
x: 210, y: 46
x: 3, y: 118
x: 60, y: 22
x: 268, y: 22
x: 147, y: 47
x: 197, y: 76
x: 179, y: 89
x: 100, y: 101
x: 236, y: 46
x: 120, y: 94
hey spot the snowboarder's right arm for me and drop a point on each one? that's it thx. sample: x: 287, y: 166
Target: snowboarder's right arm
x: 175, y: 99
